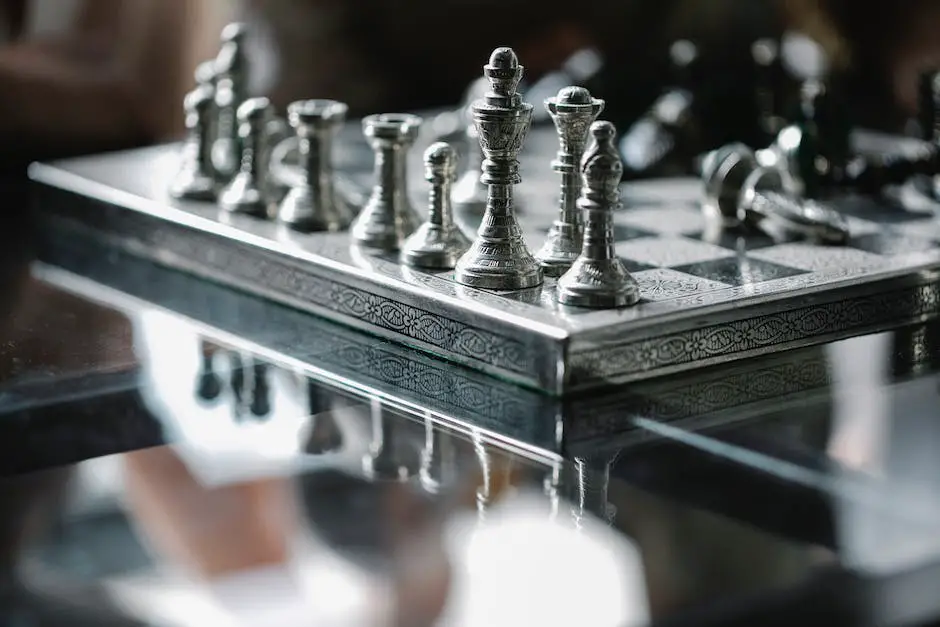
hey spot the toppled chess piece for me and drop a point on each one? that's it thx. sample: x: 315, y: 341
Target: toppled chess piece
x: 439, y: 242
x: 231, y: 90
x: 498, y: 259
x: 196, y: 179
x: 313, y: 203
x: 743, y: 193
x: 598, y: 279
x: 388, y: 217
x: 573, y: 111
x: 249, y: 192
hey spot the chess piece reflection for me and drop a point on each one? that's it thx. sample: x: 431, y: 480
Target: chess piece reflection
x: 260, y: 405
x: 313, y: 203
x: 573, y: 111
x: 438, y: 459
x: 325, y: 435
x: 385, y: 460
x: 388, y: 217
x: 209, y: 383
x: 439, y: 242
x: 498, y: 259
x: 196, y: 179
x: 598, y: 279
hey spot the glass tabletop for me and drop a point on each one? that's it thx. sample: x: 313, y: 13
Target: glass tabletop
x: 175, y: 455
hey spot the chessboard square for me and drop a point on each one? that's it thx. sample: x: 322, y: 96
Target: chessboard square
x: 739, y: 270
x: 925, y: 229
x: 734, y: 240
x: 623, y: 233
x: 635, y: 266
x: 892, y: 242
x: 814, y: 257
x: 669, y: 251
x: 875, y: 209
x: 670, y: 220
x: 661, y: 284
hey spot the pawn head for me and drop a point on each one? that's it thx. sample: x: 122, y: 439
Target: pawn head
x: 199, y: 100
x: 440, y: 161
x: 306, y: 113
x: 573, y: 96
x: 601, y: 167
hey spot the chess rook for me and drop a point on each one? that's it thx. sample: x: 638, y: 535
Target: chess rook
x: 598, y: 279
x: 231, y: 82
x: 388, y: 217
x: 743, y: 192
x: 573, y: 111
x: 249, y: 192
x: 196, y: 179
x: 313, y: 203
x: 498, y: 259
x: 439, y: 242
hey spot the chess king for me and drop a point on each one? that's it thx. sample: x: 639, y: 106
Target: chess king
x: 499, y: 258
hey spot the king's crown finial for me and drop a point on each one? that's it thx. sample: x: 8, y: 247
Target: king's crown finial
x: 504, y: 73
x: 574, y: 96
x: 601, y: 167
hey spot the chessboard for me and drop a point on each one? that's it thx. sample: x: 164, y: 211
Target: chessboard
x: 707, y: 296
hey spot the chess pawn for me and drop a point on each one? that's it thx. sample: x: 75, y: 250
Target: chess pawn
x: 597, y: 279
x: 232, y: 60
x: 209, y: 383
x: 388, y: 217
x: 231, y: 69
x: 248, y: 192
x: 439, y: 242
x: 498, y: 259
x: 573, y: 111
x: 313, y: 203
x: 196, y: 179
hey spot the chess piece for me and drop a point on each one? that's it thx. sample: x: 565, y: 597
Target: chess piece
x: 388, y: 217
x: 313, y: 203
x: 206, y: 74
x: 249, y: 192
x: 439, y: 242
x: 196, y: 179
x: 498, y: 259
x: 260, y: 405
x: 573, y: 110
x: 469, y: 193
x: 437, y: 459
x: 209, y: 384
x: 745, y: 193
x: 384, y: 461
x: 766, y: 55
x: 928, y: 88
x: 597, y: 279
x: 231, y: 68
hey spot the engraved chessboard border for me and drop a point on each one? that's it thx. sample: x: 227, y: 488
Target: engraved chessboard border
x: 526, y: 343
x: 418, y: 384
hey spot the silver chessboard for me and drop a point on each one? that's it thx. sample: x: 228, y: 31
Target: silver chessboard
x: 707, y: 297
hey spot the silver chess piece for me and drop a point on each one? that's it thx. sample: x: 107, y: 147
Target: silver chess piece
x: 469, y: 192
x: 597, y: 279
x: 249, y: 192
x: 231, y: 86
x: 196, y: 179
x: 205, y: 74
x: 313, y: 203
x: 498, y: 259
x: 573, y: 111
x: 743, y: 193
x: 388, y: 217
x: 439, y: 242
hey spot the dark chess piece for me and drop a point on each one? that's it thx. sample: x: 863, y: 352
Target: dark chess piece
x: 388, y: 217
x: 209, y: 385
x: 573, y: 110
x: 249, y: 192
x: 196, y: 178
x: 439, y: 242
x: 498, y: 259
x: 314, y: 203
x: 598, y: 279
x: 260, y: 405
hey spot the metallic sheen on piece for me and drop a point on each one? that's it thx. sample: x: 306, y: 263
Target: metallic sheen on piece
x: 439, y: 242
x: 249, y: 192
x: 388, y: 217
x: 598, y: 279
x: 743, y: 192
x: 573, y: 111
x: 231, y: 68
x: 196, y: 179
x: 469, y: 192
x: 313, y: 204
x: 499, y: 258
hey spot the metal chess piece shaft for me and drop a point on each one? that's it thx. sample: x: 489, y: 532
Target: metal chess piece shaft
x: 499, y: 258
x: 742, y: 192
x: 573, y: 111
x: 231, y: 68
x: 469, y: 192
x: 249, y: 192
x: 597, y: 279
x: 439, y: 242
x: 313, y: 203
x: 196, y: 179
x: 388, y: 217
